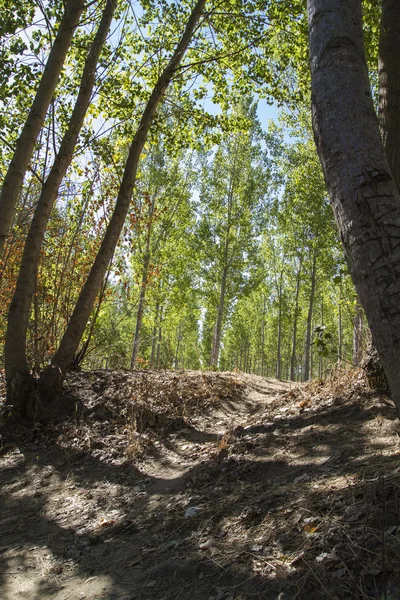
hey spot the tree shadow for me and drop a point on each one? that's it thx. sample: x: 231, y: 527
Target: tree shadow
x: 315, y: 464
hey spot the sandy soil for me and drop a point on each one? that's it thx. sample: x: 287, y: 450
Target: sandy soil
x: 205, y: 486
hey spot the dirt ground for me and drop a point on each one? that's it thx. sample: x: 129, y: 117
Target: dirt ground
x: 211, y: 486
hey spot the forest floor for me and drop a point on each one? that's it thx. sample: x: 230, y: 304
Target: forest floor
x: 211, y: 486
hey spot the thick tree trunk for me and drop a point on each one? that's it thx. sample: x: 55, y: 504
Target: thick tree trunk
x: 18, y: 317
x: 77, y: 324
x: 295, y: 322
x: 389, y: 84
x: 307, y: 345
x: 363, y: 191
x: 19, y: 164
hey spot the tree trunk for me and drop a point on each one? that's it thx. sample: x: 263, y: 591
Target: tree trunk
x: 140, y: 311
x: 70, y: 341
x: 143, y: 287
x: 218, y: 324
x: 178, y: 345
x: 18, y: 317
x: 295, y: 322
x: 279, y: 347
x: 263, y: 336
x: 357, y: 334
x: 307, y: 345
x: 159, y: 341
x: 340, y: 337
x: 363, y: 191
x: 154, y: 337
x: 389, y: 84
x: 321, y: 361
x: 19, y: 164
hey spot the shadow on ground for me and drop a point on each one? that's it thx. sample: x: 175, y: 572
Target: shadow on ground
x: 302, y: 503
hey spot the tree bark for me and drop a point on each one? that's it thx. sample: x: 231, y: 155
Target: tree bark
x: 19, y: 164
x: 389, y: 84
x: 18, y: 316
x: 307, y: 345
x: 72, y: 336
x: 361, y: 185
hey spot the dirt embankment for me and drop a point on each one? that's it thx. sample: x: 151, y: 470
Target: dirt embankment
x: 211, y: 486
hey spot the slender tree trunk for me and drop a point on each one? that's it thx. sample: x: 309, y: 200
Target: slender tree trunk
x: 140, y: 311
x: 80, y: 356
x: 321, y: 358
x: 221, y: 305
x: 357, y: 334
x: 143, y: 287
x: 307, y: 345
x: 263, y: 336
x: 154, y: 337
x: 14, y: 178
x: 218, y: 325
x: 363, y: 191
x: 70, y: 341
x: 178, y: 345
x: 295, y: 322
x: 159, y: 341
x: 16, y: 363
x: 279, y: 347
x: 340, y: 336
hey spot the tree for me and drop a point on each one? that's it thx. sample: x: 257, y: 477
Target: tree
x: 233, y: 207
x: 16, y: 363
x: 360, y: 182
x: 18, y: 166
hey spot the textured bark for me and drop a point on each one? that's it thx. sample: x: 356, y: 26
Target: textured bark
x: 389, y: 84
x: 361, y: 186
x: 307, y: 345
x: 18, y: 317
x: 19, y: 164
x: 84, y: 305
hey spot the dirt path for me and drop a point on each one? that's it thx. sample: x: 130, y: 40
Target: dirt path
x: 255, y: 495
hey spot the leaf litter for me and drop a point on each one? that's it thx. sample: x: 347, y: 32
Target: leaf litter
x: 131, y: 497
